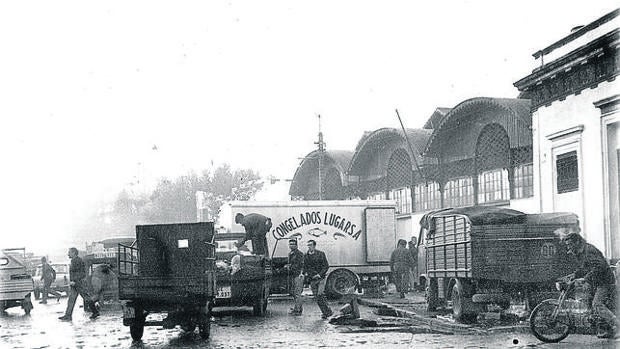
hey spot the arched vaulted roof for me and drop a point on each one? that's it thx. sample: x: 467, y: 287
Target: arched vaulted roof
x: 307, y: 169
x: 374, y: 149
x: 456, y: 133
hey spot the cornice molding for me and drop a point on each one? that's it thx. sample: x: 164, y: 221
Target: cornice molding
x: 564, y: 133
x: 608, y: 105
x: 606, y: 18
x: 585, y: 67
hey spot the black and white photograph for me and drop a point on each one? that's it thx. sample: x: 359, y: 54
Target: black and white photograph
x: 310, y: 174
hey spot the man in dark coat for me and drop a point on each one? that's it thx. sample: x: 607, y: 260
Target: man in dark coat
x: 48, y: 275
x: 77, y: 281
x: 400, y: 264
x: 256, y: 228
x: 294, y: 268
x: 594, y: 270
x: 413, y: 274
x: 315, y: 270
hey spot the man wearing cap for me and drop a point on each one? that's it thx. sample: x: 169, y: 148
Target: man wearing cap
x: 294, y: 268
x: 594, y: 270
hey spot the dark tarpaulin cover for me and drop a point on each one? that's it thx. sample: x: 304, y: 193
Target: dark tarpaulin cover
x: 480, y: 215
x: 563, y: 218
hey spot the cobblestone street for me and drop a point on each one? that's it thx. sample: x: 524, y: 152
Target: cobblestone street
x: 237, y: 328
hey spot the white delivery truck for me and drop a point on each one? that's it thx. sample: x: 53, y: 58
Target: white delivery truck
x: 356, y: 236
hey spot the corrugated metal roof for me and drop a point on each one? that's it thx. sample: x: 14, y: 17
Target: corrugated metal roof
x: 518, y: 109
x: 340, y: 159
x: 376, y: 141
x: 436, y: 117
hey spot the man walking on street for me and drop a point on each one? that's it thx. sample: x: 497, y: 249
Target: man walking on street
x: 400, y: 263
x: 413, y: 273
x: 294, y: 267
x: 77, y: 281
x: 48, y: 275
x: 315, y: 269
x: 256, y: 228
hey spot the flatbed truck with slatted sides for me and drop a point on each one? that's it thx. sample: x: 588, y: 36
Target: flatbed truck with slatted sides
x: 476, y: 256
x: 170, y: 270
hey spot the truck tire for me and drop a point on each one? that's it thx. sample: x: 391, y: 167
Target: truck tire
x: 204, y: 327
x: 189, y: 327
x: 340, y: 282
x: 431, y: 295
x: 204, y: 321
x: 260, y: 306
x: 137, y: 330
x: 461, y: 305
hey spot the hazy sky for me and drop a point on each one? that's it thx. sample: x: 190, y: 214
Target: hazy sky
x: 87, y: 89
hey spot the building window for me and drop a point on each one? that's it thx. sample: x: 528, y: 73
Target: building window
x: 493, y: 186
x: 523, y: 181
x: 459, y: 192
x: 567, y: 172
x: 427, y: 196
x: 403, y: 199
x: 377, y: 196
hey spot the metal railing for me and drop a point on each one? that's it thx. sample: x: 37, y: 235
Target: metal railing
x: 128, y: 260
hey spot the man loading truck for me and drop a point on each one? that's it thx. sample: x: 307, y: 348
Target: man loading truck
x: 256, y: 228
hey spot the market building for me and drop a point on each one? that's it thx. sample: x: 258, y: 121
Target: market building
x: 574, y: 94
x: 477, y: 153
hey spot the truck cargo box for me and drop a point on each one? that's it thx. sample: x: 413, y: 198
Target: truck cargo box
x: 497, y: 244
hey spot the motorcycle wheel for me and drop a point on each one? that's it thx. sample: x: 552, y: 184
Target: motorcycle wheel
x: 544, y: 328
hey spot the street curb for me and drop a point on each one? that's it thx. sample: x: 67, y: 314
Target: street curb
x: 434, y: 324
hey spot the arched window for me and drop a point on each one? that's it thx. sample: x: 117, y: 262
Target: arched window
x: 331, y: 185
x: 399, y: 176
x: 493, y: 164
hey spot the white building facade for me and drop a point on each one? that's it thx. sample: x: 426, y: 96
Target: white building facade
x: 575, y: 127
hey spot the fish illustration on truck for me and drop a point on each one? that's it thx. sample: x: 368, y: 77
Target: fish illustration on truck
x: 357, y: 237
x: 317, y: 232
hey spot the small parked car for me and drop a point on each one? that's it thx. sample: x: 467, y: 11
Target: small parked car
x: 16, y: 284
x: 60, y: 284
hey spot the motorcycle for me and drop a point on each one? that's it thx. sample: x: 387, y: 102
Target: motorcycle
x: 554, y: 319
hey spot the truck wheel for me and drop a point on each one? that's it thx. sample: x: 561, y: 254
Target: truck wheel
x: 461, y: 306
x: 136, y: 330
x: 457, y: 304
x: 189, y: 327
x: 431, y: 295
x: 260, y: 306
x: 340, y: 282
x: 204, y: 326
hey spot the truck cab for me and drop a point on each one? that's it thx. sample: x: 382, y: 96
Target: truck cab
x: 16, y: 285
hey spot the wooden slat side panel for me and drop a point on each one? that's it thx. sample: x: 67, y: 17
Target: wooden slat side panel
x: 448, y: 248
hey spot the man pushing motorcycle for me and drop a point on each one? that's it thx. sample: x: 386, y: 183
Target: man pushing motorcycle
x: 593, y: 270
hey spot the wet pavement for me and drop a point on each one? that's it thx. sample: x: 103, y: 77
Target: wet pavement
x: 237, y: 328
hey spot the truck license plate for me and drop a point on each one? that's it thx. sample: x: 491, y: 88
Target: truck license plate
x: 129, y: 313
x: 223, y: 292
